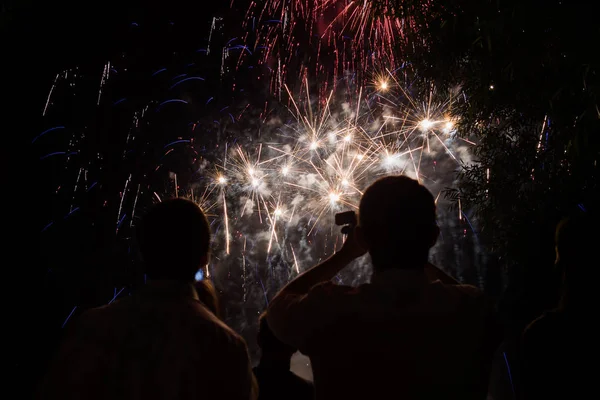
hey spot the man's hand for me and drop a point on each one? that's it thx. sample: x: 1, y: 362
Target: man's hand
x: 352, y: 248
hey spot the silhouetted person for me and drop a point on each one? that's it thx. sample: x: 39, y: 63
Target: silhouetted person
x: 275, y: 380
x: 405, y: 335
x: 161, y: 342
x: 560, y: 348
x: 207, y: 295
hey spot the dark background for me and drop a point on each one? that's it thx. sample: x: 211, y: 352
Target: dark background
x: 40, y: 39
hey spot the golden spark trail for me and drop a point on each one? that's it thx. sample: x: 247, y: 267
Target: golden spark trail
x: 295, y: 260
x: 226, y: 222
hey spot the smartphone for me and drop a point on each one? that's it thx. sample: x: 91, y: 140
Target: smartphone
x: 346, y: 218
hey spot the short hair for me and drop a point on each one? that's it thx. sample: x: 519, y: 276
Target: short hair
x: 174, y: 238
x: 397, y: 211
x: 575, y: 237
x: 268, y: 342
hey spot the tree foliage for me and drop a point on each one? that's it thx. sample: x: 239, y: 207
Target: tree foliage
x: 530, y: 72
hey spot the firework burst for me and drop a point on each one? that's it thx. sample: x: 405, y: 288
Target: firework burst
x: 269, y: 174
x: 332, y: 39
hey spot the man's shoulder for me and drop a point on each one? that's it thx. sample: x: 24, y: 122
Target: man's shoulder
x: 469, y: 291
x: 469, y: 294
x: 205, y: 322
x: 469, y: 297
x: 201, y: 319
x: 102, y: 315
x: 332, y: 289
x: 192, y: 314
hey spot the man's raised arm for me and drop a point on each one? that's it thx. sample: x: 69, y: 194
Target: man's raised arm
x: 293, y: 313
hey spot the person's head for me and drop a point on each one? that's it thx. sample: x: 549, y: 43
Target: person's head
x: 572, y: 239
x: 271, y: 347
x: 575, y: 238
x: 174, y: 239
x: 397, y: 222
x: 208, y: 296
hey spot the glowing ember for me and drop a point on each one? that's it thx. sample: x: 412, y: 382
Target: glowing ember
x: 426, y: 124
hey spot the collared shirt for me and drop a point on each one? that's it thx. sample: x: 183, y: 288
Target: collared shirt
x: 160, y: 343
x: 401, y: 336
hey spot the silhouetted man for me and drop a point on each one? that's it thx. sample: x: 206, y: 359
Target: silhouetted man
x: 560, y: 347
x: 404, y: 335
x: 162, y: 342
x: 275, y: 380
